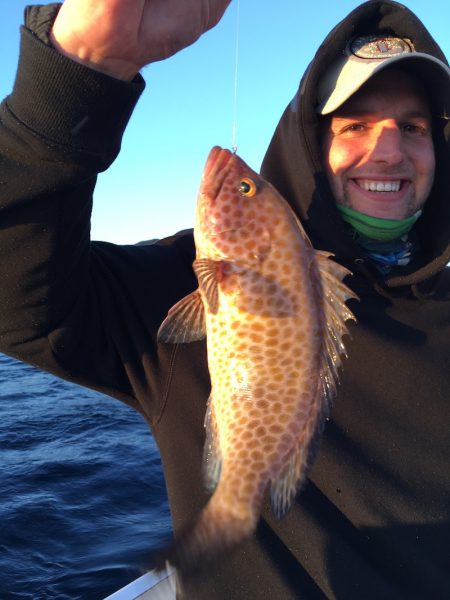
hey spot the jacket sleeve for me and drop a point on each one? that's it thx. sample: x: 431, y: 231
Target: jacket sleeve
x: 84, y: 311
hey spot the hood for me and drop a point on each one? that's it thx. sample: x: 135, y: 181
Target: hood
x: 293, y: 161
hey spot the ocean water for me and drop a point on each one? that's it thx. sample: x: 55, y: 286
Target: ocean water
x: 82, y: 496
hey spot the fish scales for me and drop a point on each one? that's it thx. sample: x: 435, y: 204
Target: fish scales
x: 264, y: 361
x: 271, y: 308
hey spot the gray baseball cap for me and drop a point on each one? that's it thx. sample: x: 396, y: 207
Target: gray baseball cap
x: 364, y: 56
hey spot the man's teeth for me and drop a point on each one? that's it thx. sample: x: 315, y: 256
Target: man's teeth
x: 380, y: 186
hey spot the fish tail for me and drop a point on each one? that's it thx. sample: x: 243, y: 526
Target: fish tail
x: 216, y: 531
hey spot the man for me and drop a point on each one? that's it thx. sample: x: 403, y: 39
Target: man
x: 366, y: 172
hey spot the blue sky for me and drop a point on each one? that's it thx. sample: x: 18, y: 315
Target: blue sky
x: 150, y: 191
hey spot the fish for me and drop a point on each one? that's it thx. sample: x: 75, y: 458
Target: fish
x: 273, y: 311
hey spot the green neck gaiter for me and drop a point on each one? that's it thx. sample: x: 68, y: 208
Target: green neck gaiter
x: 383, y: 230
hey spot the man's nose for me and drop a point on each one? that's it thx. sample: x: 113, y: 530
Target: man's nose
x: 387, y: 145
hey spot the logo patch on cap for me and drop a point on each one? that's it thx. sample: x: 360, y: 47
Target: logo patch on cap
x: 381, y: 47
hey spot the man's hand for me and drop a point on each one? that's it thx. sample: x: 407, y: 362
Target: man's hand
x: 119, y: 37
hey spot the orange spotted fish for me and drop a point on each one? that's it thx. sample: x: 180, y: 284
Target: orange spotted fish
x: 273, y: 311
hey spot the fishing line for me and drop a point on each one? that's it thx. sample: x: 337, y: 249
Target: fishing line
x: 236, y: 69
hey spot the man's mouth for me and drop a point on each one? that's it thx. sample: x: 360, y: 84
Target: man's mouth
x: 379, y: 186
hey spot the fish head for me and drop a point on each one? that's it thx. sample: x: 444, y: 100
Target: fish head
x: 235, y: 210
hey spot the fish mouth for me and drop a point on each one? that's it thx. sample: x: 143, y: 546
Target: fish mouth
x: 217, y: 160
x: 214, y: 175
x: 220, y: 178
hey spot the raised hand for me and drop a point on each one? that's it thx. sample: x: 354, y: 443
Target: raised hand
x: 119, y: 37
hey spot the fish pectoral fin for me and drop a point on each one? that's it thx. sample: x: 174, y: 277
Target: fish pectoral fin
x: 208, y: 273
x: 185, y: 321
x: 212, y: 455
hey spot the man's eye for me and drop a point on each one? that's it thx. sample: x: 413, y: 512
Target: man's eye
x: 354, y: 128
x: 414, y: 128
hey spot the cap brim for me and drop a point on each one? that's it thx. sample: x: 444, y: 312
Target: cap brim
x: 350, y: 74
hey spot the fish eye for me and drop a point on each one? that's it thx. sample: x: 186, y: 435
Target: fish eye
x: 247, y: 187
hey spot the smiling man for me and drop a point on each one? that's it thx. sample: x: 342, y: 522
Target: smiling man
x: 378, y: 150
x: 380, y: 162
x: 377, y: 141
x: 362, y: 154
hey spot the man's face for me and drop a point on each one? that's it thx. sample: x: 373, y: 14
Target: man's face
x: 378, y: 149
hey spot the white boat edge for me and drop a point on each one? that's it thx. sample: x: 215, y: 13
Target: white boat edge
x: 158, y: 585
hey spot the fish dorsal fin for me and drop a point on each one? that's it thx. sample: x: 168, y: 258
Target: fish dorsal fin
x: 335, y: 293
x: 207, y: 272
x: 185, y: 321
x: 336, y: 312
